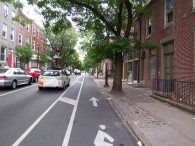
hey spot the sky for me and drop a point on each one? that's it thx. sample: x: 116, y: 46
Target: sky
x: 30, y: 12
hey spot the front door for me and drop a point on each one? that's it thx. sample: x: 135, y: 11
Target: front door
x: 10, y: 58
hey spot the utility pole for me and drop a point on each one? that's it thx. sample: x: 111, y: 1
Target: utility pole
x: 106, y: 73
x: 38, y: 47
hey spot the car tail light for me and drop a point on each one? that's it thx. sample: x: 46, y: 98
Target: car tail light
x: 40, y: 82
x: 3, y: 77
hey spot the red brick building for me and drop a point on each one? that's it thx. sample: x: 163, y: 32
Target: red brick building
x: 32, y: 34
x: 171, y: 25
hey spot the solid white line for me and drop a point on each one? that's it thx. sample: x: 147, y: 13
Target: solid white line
x: 17, y: 90
x: 70, y: 125
x: 21, y: 138
x: 68, y: 100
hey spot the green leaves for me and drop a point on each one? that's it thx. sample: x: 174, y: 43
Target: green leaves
x: 23, y: 53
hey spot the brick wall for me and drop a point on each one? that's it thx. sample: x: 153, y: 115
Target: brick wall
x: 184, y: 20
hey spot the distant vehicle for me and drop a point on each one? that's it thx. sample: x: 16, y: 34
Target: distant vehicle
x: 68, y: 72
x: 34, y: 72
x: 12, y: 77
x: 78, y: 72
x: 53, y: 79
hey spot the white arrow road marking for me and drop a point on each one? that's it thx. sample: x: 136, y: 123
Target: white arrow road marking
x: 94, y: 100
x: 100, y: 137
x: 68, y: 100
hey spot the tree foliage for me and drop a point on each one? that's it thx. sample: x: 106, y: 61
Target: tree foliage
x: 23, y: 53
x: 112, y: 19
x: 65, y: 41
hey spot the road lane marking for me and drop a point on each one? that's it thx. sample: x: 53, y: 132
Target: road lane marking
x: 70, y: 125
x: 68, y: 100
x: 18, y: 90
x: 79, y: 82
x: 94, y: 101
x: 101, y: 136
x: 22, y: 137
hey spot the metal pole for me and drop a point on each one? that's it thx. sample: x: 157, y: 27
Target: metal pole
x: 106, y: 77
x: 38, y: 57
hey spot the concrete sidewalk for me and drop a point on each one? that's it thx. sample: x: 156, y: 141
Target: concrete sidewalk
x: 154, y: 123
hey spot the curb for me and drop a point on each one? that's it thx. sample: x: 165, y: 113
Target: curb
x: 175, y: 103
x: 138, y: 137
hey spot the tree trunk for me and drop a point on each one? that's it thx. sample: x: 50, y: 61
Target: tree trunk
x: 117, y: 83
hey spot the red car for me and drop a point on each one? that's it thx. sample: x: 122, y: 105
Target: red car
x: 35, y: 73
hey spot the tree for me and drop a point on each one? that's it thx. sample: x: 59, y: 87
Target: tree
x: 111, y: 17
x: 23, y: 54
x: 64, y: 40
x: 42, y: 57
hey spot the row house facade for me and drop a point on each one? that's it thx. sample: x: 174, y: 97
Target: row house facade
x: 31, y: 33
x: 13, y: 33
x: 170, y: 25
x: 7, y: 38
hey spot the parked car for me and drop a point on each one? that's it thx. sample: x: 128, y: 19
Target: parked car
x: 12, y: 77
x: 34, y: 72
x: 78, y: 72
x: 53, y: 79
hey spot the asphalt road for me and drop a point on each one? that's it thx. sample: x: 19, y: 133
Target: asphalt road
x: 77, y: 116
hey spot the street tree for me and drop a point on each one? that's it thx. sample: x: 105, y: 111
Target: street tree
x: 42, y: 57
x: 23, y: 54
x: 64, y: 40
x: 114, y: 18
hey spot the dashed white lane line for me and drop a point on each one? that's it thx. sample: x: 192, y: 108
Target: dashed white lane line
x: 22, y: 137
x: 68, y: 100
x: 79, y: 82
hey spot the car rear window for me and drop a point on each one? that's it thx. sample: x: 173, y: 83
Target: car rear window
x: 3, y: 70
x: 51, y: 73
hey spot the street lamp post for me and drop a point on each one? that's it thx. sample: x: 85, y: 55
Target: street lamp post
x: 106, y: 74
x: 38, y: 56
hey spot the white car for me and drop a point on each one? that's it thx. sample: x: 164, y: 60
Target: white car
x: 78, y: 72
x: 53, y: 79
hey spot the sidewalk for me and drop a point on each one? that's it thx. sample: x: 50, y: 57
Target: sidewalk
x: 153, y: 122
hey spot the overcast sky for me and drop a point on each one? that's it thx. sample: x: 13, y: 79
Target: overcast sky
x: 29, y: 11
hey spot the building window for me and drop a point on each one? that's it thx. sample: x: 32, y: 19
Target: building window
x: 168, y: 56
x: 5, y: 10
x: 27, y: 27
x: 193, y: 4
x: 148, y: 25
x: 20, y: 39
x: 168, y: 11
x: 34, y: 30
x: 33, y: 45
x: 152, y: 64
x: 13, y: 15
x: 4, y: 33
x: 27, y: 40
x: 12, y: 35
x: 3, y: 54
x: 37, y: 34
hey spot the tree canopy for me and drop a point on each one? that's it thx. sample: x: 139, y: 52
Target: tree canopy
x: 110, y: 19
